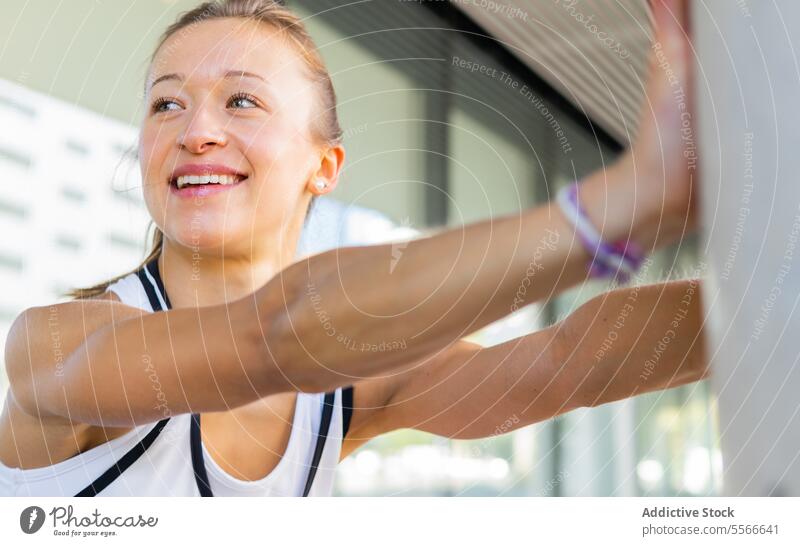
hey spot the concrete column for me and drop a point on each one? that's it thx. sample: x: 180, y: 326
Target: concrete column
x: 749, y: 105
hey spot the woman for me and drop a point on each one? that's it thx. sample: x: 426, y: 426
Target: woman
x: 205, y: 370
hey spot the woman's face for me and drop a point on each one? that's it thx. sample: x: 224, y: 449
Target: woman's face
x: 228, y: 107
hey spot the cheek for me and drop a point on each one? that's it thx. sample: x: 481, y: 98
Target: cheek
x: 281, y: 158
x: 151, y: 142
x: 154, y: 145
x: 268, y: 142
x: 148, y: 166
x: 154, y: 149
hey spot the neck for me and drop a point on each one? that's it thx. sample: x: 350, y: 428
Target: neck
x: 195, y: 279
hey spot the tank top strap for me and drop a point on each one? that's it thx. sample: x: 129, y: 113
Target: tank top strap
x: 130, y: 291
x: 145, y: 289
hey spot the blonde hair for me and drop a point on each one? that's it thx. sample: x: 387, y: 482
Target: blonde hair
x: 326, y: 127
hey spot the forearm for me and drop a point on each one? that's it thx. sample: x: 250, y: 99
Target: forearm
x: 345, y: 304
x: 362, y: 311
x: 623, y: 343
x: 633, y: 341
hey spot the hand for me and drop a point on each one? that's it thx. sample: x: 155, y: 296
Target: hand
x: 647, y: 196
x: 663, y: 159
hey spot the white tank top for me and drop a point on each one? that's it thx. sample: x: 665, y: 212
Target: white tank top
x: 165, y: 467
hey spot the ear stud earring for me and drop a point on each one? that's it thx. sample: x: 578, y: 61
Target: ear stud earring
x: 321, y: 185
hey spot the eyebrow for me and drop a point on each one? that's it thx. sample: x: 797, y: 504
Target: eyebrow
x: 166, y: 77
x: 228, y: 74
x: 242, y: 74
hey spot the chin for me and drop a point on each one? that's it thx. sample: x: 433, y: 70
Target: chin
x: 206, y: 239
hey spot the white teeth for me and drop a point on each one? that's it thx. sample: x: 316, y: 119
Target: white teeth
x: 223, y: 179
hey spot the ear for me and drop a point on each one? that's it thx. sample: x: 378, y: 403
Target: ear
x: 330, y: 164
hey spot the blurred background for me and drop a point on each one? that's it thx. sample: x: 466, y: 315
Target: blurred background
x: 453, y: 112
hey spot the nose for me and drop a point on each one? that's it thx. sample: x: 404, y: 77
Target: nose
x: 202, y: 133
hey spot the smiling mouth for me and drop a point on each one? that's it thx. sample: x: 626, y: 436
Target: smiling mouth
x: 181, y: 182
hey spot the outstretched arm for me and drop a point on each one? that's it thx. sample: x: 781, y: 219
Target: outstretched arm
x: 620, y: 344
x: 324, y: 322
x: 358, y: 312
x: 448, y: 286
x: 353, y: 313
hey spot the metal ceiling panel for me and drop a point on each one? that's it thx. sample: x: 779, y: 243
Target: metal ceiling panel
x: 593, y: 51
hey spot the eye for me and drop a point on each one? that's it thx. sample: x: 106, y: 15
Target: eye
x: 164, y: 104
x: 243, y: 100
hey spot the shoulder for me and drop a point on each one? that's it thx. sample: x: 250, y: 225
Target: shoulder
x: 41, y: 338
x: 67, y: 318
x: 37, y: 349
x: 68, y: 321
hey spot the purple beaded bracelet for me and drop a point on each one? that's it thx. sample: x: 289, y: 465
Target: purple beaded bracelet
x: 609, y: 260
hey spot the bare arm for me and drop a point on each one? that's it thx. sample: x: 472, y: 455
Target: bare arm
x: 352, y: 316
x: 448, y: 286
x: 122, y: 366
x: 279, y: 339
x: 104, y: 363
x: 623, y: 343
x: 636, y: 340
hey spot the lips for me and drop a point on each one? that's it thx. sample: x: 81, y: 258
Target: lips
x: 203, y: 179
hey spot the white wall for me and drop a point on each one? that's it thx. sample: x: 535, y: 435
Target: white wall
x: 71, y: 211
x: 750, y: 84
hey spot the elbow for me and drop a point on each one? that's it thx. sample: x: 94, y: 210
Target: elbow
x: 19, y: 366
x: 27, y: 389
x: 552, y: 387
x: 20, y: 394
x: 283, y: 362
x: 571, y: 382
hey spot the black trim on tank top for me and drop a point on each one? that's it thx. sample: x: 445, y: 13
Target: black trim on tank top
x: 195, y: 436
x: 152, y: 266
x: 198, y: 463
x: 347, y: 409
x: 149, y: 290
x: 126, y: 461
x: 107, y: 477
x: 322, y: 435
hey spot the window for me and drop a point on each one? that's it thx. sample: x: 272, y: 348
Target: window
x: 127, y: 195
x: 11, y: 104
x: 7, y: 315
x: 17, y: 158
x: 68, y: 243
x: 12, y: 209
x: 11, y: 263
x: 123, y: 242
x: 76, y: 147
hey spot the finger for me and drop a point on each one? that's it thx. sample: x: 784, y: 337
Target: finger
x: 671, y: 19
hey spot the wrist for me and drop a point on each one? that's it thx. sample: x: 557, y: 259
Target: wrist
x: 617, y: 203
x: 618, y: 259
